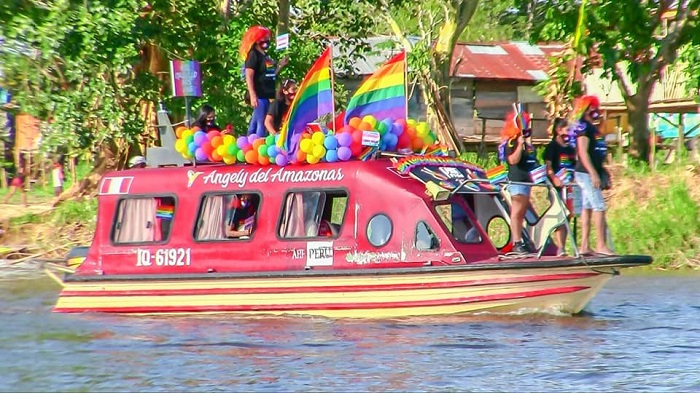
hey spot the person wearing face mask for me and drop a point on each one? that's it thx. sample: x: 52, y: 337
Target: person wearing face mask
x: 260, y: 75
x: 206, y: 119
x: 241, y: 217
x: 279, y: 107
x: 558, y: 155
x: 591, y: 175
x: 520, y: 155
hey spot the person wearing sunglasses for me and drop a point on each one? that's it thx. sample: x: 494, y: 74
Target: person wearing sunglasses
x: 260, y: 75
x: 279, y: 107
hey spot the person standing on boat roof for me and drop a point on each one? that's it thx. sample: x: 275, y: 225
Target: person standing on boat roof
x: 520, y: 156
x: 279, y: 107
x: 260, y: 74
x: 591, y: 175
x: 558, y: 155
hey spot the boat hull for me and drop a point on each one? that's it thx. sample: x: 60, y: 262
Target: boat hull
x: 400, y: 293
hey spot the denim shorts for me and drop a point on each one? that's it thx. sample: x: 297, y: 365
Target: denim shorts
x: 519, y: 189
x: 591, y: 198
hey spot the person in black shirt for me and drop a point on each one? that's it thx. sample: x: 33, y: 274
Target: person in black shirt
x: 260, y: 76
x: 279, y: 107
x: 520, y: 155
x: 559, y: 154
x: 591, y: 176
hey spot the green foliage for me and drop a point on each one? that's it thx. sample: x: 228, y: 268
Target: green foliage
x: 670, y: 231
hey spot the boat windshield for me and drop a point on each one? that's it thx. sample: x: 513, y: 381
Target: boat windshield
x: 458, y: 223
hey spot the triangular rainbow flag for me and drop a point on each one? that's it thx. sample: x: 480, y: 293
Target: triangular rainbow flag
x: 383, y: 94
x: 314, y: 99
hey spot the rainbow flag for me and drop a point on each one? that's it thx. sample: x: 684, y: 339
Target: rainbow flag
x: 383, y: 94
x: 165, y: 212
x: 314, y: 99
x: 539, y: 174
x: 497, y: 174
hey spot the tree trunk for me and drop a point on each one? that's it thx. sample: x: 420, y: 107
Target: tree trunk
x: 283, y: 17
x: 638, y: 114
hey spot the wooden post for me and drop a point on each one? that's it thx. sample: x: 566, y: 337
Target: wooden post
x: 652, y: 148
x: 482, y: 145
x: 681, y: 137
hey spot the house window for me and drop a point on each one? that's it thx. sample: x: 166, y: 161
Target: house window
x: 426, y: 240
x: 458, y: 223
x: 227, y: 216
x: 143, y: 220
x: 379, y: 230
x: 313, y: 214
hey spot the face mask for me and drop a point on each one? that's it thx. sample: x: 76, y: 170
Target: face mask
x: 566, y: 138
x: 595, y: 115
x: 265, y: 45
x: 244, y: 203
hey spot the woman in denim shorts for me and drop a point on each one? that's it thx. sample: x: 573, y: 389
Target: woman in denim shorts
x: 520, y: 155
x: 591, y: 176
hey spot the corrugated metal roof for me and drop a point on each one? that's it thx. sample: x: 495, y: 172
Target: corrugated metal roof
x: 510, y: 61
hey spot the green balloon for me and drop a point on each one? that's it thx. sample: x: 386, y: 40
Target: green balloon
x: 270, y: 140
x: 232, y: 150
x: 262, y: 151
x: 240, y: 156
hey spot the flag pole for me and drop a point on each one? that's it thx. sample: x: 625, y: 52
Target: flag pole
x: 330, y: 45
x: 405, y: 81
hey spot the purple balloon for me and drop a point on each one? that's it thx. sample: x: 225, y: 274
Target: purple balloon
x: 242, y: 142
x: 252, y: 138
x: 281, y: 160
x: 344, y: 153
x: 344, y: 139
x: 199, y: 138
x: 200, y: 155
x: 398, y: 129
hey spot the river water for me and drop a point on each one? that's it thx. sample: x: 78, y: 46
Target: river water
x: 641, y: 333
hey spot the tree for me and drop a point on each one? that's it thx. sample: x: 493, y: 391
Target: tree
x: 632, y: 40
x: 440, y: 24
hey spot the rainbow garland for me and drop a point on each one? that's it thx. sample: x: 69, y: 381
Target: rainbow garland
x: 405, y: 164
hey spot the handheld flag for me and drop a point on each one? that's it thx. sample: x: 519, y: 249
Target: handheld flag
x: 314, y: 99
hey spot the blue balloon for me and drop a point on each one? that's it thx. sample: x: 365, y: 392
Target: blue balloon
x: 330, y: 143
x: 192, y: 147
x: 391, y: 141
x: 272, y: 151
x: 331, y: 155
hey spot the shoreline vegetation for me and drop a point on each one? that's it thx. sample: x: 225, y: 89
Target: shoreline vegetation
x: 655, y: 213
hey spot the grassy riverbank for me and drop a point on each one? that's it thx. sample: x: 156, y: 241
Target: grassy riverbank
x: 649, y: 213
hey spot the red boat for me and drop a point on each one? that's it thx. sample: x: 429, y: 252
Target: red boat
x: 382, y: 238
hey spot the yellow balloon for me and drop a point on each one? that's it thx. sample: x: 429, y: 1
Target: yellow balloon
x: 222, y: 150
x: 422, y: 129
x: 181, y: 146
x: 229, y: 160
x: 228, y: 139
x: 318, y: 138
x: 319, y: 151
x: 371, y: 120
x: 306, y: 145
x: 312, y: 159
x: 186, y: 133
x: 411, y: 122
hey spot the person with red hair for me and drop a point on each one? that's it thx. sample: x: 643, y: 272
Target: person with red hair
x: 260, y: 75
x: 520, y: 155
x: 591, y: 175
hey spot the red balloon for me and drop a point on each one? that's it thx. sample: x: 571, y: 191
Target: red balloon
x: 213, y: 133
x: 357, y: 136
x: 206, y: 148
x: 405, y: 141
x: 348, y: 128
x: 356, y: 149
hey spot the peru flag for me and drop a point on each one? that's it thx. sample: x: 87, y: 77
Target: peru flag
x: 116, y: 185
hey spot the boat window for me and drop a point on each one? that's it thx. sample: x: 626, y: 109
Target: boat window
x: 458, y: 223
x: 426, y: 239
x: 379, y: 230
x: 227, y: 216
x: 311, y: 214
x: 143, y: 220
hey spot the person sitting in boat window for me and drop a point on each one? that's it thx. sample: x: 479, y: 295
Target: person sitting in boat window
x: 240, y: 220
x: 520, y: 155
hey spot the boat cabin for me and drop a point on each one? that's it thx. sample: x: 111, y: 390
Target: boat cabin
x: 383, y: 213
